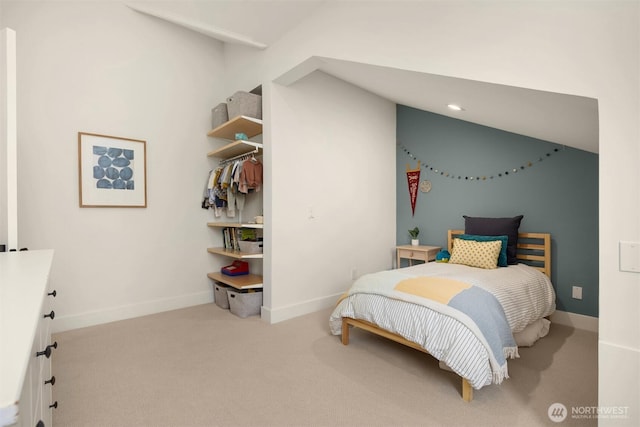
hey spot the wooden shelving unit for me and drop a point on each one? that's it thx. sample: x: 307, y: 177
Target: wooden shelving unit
x: 233, y: 254
x: 248, y: 281
x: 247, y: 125
x: 235, y: 148
x: 234, y: 224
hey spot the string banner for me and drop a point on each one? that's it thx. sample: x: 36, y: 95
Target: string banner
x: 507, y: 171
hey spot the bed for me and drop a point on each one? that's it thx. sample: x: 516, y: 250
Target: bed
x: 471, y: 319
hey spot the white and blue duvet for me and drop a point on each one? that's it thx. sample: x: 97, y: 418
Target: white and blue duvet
x: 463, y: 316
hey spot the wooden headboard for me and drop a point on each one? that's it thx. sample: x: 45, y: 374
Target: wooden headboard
x: 533, y: 249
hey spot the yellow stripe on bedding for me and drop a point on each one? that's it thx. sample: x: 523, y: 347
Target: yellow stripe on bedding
x: 435, y: 288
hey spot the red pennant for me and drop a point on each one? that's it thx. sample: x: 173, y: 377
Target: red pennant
x: 413, y: 178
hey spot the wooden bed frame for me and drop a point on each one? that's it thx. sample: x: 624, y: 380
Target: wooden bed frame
x: 533, y: 249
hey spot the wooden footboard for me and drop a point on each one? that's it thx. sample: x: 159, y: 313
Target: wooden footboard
x: 467, y: 390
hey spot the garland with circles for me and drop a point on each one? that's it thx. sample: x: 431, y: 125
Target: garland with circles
x: 508, y: 172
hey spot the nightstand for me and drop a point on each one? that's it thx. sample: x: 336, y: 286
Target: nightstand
x: 421, y: 253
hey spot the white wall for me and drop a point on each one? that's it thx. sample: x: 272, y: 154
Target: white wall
x: 581, y: 48
x: 328, y: 149
x: 101, y: 67
x: 8, y: 141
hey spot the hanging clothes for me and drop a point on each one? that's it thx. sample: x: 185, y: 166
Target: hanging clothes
x: 228, y: 184
x: 206, y: 202
x: 235, y: 199
x: 251, y: 176
x: 214, y: 197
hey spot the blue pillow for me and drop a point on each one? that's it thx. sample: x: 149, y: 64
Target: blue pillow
x: 502, y: 258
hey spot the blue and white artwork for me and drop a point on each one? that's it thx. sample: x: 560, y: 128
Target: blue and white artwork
x: 112, y: 171
x: 113, y: 168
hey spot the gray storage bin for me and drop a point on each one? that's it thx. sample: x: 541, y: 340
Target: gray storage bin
x: 219, y: 115
x: 245, y: 304
x: 244, y: 104
x: 250, y: 247
x: 220, y: 296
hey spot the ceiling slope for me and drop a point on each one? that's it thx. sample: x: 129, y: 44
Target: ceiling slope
x: 560, y: 118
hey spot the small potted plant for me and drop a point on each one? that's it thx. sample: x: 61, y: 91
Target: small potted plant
x: 414, y: 236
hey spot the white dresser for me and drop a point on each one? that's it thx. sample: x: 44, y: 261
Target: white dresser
x: 26, y: 312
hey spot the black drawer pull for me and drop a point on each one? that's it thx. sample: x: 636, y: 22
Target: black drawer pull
x: 51, y: 315
x: 40, y: 424
x: 47, y: 351
x: 53, y: 294
x: 54, y: 405
x: 51, y: 381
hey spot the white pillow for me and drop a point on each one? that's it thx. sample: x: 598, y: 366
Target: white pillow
x: 532, y: 333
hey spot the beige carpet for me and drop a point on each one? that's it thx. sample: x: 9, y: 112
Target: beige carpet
x: 203, y: 366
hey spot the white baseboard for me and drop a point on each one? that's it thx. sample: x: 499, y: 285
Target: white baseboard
x: 66, y: 323
x: 275, y: 315
x: 578, y: 321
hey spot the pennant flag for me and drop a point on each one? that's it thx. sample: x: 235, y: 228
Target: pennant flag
x: 413, y: 178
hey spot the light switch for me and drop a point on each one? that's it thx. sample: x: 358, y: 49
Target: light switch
x: 630, y: 256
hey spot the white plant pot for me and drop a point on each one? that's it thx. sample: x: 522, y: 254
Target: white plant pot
x: 415, y: 242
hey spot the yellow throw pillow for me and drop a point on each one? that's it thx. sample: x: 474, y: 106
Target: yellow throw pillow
x: 475, y: 254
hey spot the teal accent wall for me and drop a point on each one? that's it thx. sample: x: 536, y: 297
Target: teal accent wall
x: 558, y: 195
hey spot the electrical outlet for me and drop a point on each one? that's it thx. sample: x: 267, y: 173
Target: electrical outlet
x: 354, y: 274
x: 576, y: 292
x: 630, y: 256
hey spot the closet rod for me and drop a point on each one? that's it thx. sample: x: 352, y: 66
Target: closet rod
x: 239, y: 156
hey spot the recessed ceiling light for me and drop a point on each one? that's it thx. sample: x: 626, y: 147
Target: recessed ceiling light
x: 455, y: 107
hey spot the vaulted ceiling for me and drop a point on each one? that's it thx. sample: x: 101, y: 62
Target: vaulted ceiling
x: 564, y: 119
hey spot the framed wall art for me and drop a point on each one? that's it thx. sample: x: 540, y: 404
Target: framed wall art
x: 112, y: 171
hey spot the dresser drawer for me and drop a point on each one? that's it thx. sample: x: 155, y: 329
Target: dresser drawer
x: 413, y: 254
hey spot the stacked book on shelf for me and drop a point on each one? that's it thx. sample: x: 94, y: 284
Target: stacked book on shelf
x: 230, y: 238
x: 241, y: 239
